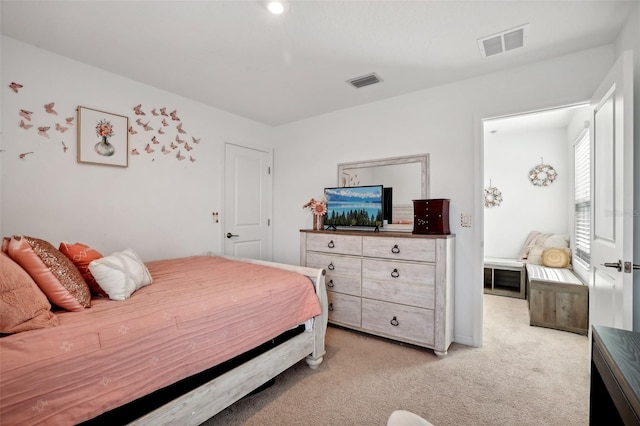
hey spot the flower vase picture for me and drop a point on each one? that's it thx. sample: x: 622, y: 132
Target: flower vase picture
x: 111, y: 147
x: 104, y: 129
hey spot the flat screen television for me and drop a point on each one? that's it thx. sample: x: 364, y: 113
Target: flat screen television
x: 354, y: 206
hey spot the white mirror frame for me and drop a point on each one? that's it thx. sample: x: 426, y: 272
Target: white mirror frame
x: 423, y: 159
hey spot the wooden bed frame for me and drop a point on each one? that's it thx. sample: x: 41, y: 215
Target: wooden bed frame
x: 202, y: 403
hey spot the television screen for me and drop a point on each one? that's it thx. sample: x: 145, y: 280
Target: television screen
x: 354, y: 206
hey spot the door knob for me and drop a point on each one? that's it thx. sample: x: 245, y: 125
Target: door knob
x: 617, y: 265
x: 229, y: 235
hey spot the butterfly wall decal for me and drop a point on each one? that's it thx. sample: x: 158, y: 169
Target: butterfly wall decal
x: 24, y: 154
x: 179, y: 140
x: 164, y: 122
x: 192, y: 159
x: 25, y: 125
x: 26, y: 114
x: 196, y: 141
x: 69, y: 121
x: 173, y: 145
x: 165, y: 150
x: 149, y: 149
x: 147, y: 127
x: 64, y: 147
x: 139, y: 122
x: 153, y: 111
x: 138, y: 110
x: 60, y: 128
x: 174, y: 115
x: 163, y: 111
x: 187, y: 147
x: 179, y: 127
x: 49, y: 108
x: 42, y: 131
x: 132, y: 131
x: 160, y: 131
x: 134, y: 152
x: 180, y: 157
x: 155, y: 140
x: 15, y: 86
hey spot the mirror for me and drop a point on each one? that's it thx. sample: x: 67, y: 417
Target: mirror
x: 408, y: 178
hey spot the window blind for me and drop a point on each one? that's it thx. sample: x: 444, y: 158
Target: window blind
x: 582, y: 252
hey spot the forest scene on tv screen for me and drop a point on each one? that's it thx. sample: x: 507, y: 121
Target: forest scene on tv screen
x: 354, y: 206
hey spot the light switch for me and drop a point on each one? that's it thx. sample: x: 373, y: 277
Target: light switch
x: 465, y: 220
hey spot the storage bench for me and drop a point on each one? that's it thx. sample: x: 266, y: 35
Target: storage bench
x: 504, y: 277
x: 557, y: 299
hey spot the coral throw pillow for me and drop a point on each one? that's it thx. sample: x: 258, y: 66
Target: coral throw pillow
x: 556, y: 257
x: 81, y: 255
x: 56, y: 276
x: 120, y: 274
x: 23, y: 306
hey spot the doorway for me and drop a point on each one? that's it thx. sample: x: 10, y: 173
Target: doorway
x: 528, y: 180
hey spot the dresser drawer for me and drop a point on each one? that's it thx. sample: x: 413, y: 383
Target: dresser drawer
x: 405, y: 293
x: 343, y: 273
x: 344, y: 309
x: 415, y: 273
x: 418, y: 249
x: 342, y: 265
x: 335, y: 243
x: 398, y: 321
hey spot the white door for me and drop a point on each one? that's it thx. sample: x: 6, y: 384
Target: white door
x: 611, y: 293
x: 247, y: 202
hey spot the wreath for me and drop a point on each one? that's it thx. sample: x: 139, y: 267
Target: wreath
x: 492, y: 196
x: 542, y: 175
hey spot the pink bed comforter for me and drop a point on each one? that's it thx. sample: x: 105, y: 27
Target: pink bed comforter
x: 199, y: 312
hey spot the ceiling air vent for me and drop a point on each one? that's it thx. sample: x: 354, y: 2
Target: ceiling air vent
x: 365, y: 80
x: 504, y: 41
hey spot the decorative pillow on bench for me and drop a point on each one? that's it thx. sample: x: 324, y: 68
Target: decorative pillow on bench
x: 556, y: 257
x: 536, y: 244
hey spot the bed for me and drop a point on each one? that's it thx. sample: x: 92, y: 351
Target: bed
x: 200, y: 313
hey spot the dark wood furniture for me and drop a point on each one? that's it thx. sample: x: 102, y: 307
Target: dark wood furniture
x: 431, y: 216
x: 615, y: 377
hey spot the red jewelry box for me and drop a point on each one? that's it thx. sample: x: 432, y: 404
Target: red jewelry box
x: 431, y: 216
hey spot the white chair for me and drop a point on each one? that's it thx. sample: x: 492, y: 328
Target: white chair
x: 406, y: 418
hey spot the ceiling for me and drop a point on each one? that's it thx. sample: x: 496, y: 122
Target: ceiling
x: 235, y: 56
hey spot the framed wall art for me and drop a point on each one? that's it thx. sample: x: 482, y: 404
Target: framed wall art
x: 103, y: 138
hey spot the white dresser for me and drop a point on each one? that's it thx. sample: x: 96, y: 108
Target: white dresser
x: 396, y: 285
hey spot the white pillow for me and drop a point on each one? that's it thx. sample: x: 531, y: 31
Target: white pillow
x: 120, y: 274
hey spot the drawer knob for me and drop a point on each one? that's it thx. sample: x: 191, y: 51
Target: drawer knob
x: 395, y: 249
x: 395, y: 274
x: 330, y: 284
x: 331, y: 244
x: 331, y: 267
x: 330, y: 307
x: 394, y: 322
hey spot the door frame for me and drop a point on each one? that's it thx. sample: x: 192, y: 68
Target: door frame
x: 478, y: 209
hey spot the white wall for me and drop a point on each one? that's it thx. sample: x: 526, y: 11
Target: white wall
x: 508, y: 158
x: 444, y: 122
x: 159, y: 206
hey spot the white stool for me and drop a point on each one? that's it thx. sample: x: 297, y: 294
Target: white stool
x: 406, y: 418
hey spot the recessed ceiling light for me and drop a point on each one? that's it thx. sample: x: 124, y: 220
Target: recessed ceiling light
x: 277, y: 7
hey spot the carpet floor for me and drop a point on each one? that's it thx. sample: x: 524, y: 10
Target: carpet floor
x: 522, y: 375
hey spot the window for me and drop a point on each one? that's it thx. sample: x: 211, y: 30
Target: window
x: 582, y: 252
